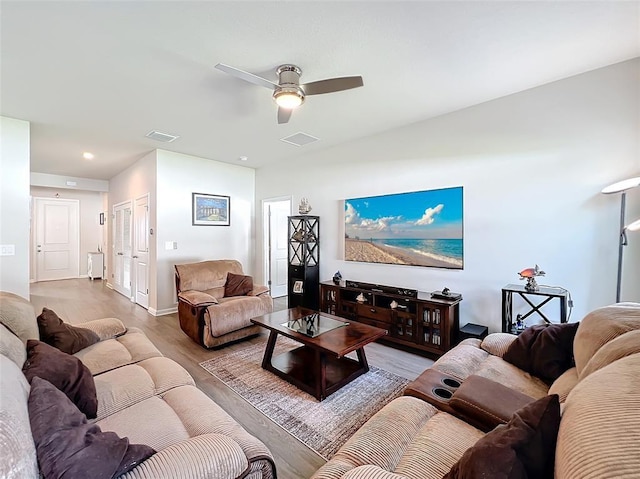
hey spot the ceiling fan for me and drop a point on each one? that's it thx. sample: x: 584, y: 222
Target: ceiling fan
x: 288, y: 93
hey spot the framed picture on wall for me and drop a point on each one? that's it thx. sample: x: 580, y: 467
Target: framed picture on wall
x: 210, y: 210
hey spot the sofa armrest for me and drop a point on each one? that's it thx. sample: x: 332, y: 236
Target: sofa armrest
x: 486, y: 403
x: 105, y: 328
x: 197, y: 298
x: 208, y: 455
x: 258, y: 290
x: 497, y: 344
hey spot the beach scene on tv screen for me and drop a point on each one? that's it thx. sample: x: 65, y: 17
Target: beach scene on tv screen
x: 419, y: 228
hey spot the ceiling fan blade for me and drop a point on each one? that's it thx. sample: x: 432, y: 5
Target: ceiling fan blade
x: 283, y: 115
x: 246, y: 76
x: 332, y: 84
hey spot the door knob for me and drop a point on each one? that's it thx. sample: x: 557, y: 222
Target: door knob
x: 134, y: 256
x: 120, y: 254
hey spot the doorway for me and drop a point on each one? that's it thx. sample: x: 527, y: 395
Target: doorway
x: 56, y: 230
x: 275, y: 215
x: 141, y: 251
x: 122, y: 248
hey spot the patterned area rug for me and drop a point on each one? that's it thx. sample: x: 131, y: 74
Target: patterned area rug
x: 322, y: 426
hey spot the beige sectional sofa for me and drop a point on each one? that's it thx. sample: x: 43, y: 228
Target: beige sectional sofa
x: 600, y: 404
x: 142, y: 395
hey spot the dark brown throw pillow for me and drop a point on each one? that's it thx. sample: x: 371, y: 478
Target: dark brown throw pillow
x: 523, y: 448
x: 544, y: 350
x: 68, y: 446
x: 67, y: 338
x: 65, y: 372
x: 238, y: 285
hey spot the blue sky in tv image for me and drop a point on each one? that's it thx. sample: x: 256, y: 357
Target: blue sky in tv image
x: 433, y: 214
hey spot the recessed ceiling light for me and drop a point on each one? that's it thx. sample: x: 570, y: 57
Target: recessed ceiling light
x: 243, y: 158
x: 88, y: 156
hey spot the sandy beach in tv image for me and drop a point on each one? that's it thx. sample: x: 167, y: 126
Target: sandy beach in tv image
x: 420, y: 228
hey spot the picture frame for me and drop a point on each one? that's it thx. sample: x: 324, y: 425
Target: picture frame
x: 101, y: 218
x: 297, y: 287
x: 210, y: 210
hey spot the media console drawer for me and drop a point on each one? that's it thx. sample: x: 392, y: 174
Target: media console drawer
x: 374, y: 312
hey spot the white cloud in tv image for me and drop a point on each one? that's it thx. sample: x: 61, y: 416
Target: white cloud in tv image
x: 419, y: 228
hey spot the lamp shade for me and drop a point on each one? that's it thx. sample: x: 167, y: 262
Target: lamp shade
x: 634, y: 226
x: 620, y: 186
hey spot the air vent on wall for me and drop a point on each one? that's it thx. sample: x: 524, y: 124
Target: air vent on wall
x: 299, y: 139
x: 159, y: 136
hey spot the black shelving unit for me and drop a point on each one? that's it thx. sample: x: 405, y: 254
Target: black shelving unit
x: 304, y: 261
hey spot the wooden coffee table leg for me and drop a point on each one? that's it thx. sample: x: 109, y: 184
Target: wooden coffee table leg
x: 362, y: 359
x: 268, y: 353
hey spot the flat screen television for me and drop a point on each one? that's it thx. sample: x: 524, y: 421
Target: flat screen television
x: 419, y: 228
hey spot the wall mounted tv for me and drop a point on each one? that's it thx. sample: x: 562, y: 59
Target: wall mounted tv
x: 419, y: 228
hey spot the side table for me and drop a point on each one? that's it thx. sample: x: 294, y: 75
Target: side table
x: 543, y: 293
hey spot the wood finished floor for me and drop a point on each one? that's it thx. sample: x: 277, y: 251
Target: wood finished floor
x: 79, y: 300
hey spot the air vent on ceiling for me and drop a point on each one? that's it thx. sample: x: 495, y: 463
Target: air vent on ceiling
x: 299, y: 139
x: 159, y: 136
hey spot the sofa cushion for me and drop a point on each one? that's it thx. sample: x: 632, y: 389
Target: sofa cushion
x: 68, y: 446
x: 65, y: 372
x: 105, y: 328
x: 624, y: 345
x: 544, y: 350
x: 598, y: 435
x: 17, y: 314
x: 186, y: 413
x: 18, y: 450
x: 522, y: 448
x: 238, y: 285
x: 113, y: 353
x: 12, y: 347
x: 66, y: 337
x: 601, y: 326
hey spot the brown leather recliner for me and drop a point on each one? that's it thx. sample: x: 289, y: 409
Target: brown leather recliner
x: 206, y: 315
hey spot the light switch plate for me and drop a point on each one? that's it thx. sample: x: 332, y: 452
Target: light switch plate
x: 7, y: 250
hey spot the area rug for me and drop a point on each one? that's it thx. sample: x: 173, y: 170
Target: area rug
x: 322, y: 426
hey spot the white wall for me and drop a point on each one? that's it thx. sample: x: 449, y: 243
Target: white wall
x: 531, y: 164
x: 178, y: 177
x: 14, y: 204
x: 91, y: 232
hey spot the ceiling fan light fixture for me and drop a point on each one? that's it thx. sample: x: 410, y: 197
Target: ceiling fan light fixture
x: 288, y: 98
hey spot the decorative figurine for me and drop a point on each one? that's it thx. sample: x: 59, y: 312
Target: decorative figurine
x: 337, y: 277
x: 519, y: 323
x: 304, y: 207
x: 360, y: 298
x: 530, y: 275
x: 394, y: 304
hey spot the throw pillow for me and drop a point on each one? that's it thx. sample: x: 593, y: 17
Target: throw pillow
x: 544, y: 350
x: 523, y: 448
x: 238, y: 285
x: 67, y: 338
x: 65, y: 372
x: 68, y: 446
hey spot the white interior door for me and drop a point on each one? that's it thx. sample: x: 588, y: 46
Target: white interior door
x: 122, y: 248
x: 141, y: 250
x: 57, y: 236
x: 276, y: 213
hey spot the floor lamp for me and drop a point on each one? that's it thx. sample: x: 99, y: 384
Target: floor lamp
x: 622, y: 187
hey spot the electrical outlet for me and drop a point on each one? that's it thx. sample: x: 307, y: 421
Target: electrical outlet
x: 7, y: 250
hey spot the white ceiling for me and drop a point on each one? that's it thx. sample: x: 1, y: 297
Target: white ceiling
x: 98, y: 76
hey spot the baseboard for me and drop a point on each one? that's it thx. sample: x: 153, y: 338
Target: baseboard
x: 162, y: 312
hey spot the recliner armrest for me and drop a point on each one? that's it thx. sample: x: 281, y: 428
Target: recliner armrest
x: 258, y: 290
x: 486, y: 403
x: 196, y: 298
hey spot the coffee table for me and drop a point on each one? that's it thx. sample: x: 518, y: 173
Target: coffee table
x: 320, y: 366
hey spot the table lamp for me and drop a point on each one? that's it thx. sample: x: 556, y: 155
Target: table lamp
x: 622, y: 187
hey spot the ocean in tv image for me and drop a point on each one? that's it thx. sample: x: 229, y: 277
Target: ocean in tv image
x: 420, y: 228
